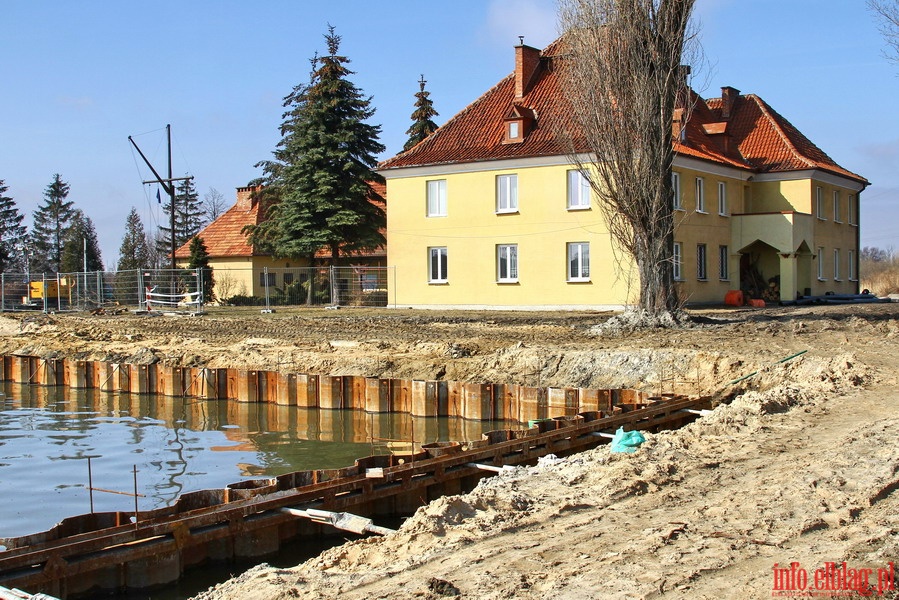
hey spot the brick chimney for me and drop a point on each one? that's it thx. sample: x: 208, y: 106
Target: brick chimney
x: 729, y: 97
x: 527, y: 59
x: 246, y: 197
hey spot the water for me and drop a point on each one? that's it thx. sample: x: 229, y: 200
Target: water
x: 176, y: 446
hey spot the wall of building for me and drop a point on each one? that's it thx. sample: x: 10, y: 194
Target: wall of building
x: 472, y: 229
x: 696, y: 225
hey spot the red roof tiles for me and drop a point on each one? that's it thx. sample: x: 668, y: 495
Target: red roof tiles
x: 754, y: 136
x: 224, y: 237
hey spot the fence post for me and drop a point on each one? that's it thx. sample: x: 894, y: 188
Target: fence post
x: 200, y: 289
x: 2, y: 292
x: 335, y: 300
x: 44, y: 292
x: 141, y: 292
x: 99, y: 288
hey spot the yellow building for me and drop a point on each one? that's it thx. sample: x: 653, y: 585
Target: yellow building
x: 489, y: 212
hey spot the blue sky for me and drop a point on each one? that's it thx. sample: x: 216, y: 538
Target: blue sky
x: 79, y: 77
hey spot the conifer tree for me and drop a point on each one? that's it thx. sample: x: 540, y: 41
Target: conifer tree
x: 134, y: 253
x: 80, y: 245
x: 189, y: 215
x: 51, y: 223
x: 12, y: 232
x: 422, y: 125
x: 323, y: 167
x: 199, y: 259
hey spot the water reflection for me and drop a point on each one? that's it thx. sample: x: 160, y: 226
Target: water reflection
x: 178, y: 445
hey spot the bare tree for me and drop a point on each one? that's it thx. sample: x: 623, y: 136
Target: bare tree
x: 213, y: 205
x: 622, y: 75
x: 887, y: 12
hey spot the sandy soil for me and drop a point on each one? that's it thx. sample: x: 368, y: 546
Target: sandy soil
x: 798, y: 463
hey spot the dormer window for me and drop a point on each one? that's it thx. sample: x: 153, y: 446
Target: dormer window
x: 517, y: 124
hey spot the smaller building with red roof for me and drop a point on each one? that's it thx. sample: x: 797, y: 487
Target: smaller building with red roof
x: 247, y: 271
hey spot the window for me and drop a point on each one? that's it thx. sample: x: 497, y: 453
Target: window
x: 723, y: 257
x: 700, y: 195
x: 437, y: 265
x: 722, y: 198
x: 267, y: 279
x: 678, y: 260
x: 506, y: 193
x: 507, y: 263
x: 701, y: 271
x: 851, y: 256
x: 579, y: 261
x: 578, y: 190
x: 288, y: 278
x: 836, y: 264
x: 836, y: 207
x: 437, y: 198
x: 675, y: 183
x: 853, y: 209
x: 819, y: 203
x: 514, y: 129
x: 821, y: 263
x: 368, y: 281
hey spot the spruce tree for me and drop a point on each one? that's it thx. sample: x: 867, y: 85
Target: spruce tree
x: 189, y: 215
x: 422, y: 125
x: 12, y: 232
x: 80, y: 245
x: 323, y: 168
x: 199, y: 259
x: 51, y: 223
x: 134, y: 252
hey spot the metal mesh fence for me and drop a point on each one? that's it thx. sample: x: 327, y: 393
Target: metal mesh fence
x: 191, y: 289
x: 318, y: 286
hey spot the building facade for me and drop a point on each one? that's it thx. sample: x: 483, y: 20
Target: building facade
x: 490, y: 212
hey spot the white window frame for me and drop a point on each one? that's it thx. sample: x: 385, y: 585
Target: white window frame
x: 436, y: 198
x: 836, y: 207
x: 853, y: 209
x: 819, y: 203
x: 700, y: 195
x: 723, y: 263
x: 851, y: 257
x: 677, y: 258
x: 836, y: 264
x: 675, y: 184
x: 821, y: 263
x: 437, y: 275
x: 702, y: 262
x: 507, y: 193
x: 578, y: 266
x: 507, y: 263
x: 579, y: 192
x: 722, y: 198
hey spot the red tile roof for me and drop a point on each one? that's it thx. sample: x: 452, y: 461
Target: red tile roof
x: 755, y: 137
x: 770, y: 143
x: 224, y: 237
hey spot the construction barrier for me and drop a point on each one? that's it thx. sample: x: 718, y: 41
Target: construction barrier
x: 420, y: 398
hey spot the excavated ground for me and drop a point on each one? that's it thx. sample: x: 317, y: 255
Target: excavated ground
x: 798, y: 463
